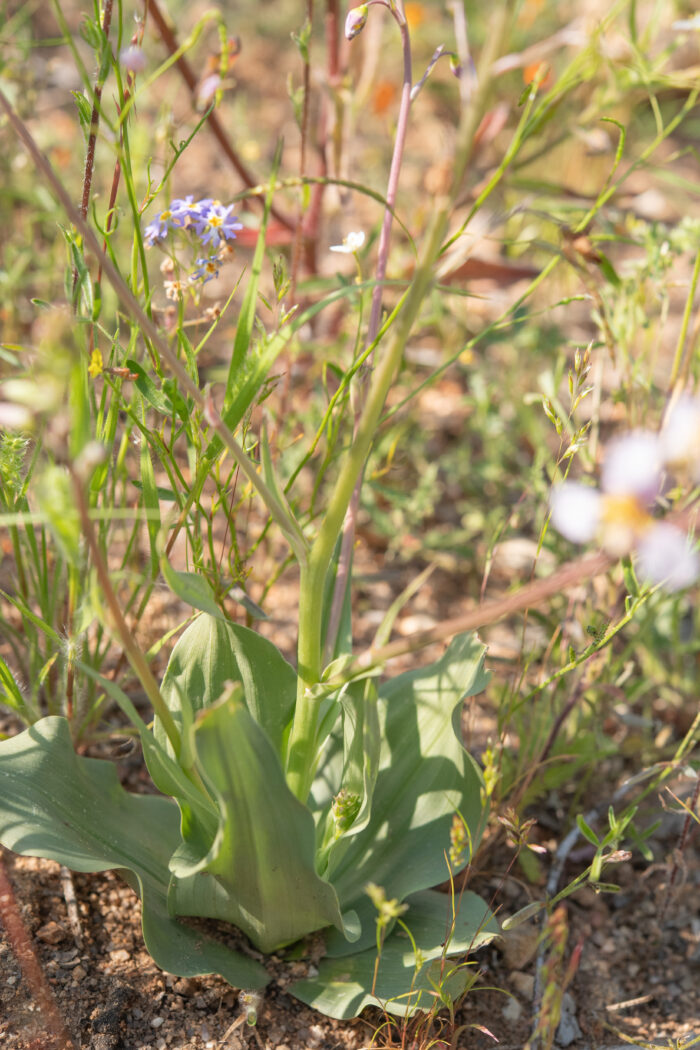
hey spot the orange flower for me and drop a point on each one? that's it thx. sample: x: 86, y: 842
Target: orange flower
x: 537, y: 69
x: 415, y: 14
x: 383, y: 97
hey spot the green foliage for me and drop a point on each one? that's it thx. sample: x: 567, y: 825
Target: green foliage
x: 245, y: 848
x: 172, y: 444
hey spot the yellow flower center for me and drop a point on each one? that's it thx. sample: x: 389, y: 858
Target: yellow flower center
x: 623, y: 520
x: 626, y: 511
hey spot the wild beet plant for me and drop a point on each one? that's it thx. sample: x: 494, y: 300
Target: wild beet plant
x: 294, y: 789
x: 285, y: 791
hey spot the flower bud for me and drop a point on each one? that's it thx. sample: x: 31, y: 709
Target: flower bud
x: 346, y: 806
x: 355, y: 22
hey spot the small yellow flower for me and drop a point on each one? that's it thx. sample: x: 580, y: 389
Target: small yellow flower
x: 96, y: 366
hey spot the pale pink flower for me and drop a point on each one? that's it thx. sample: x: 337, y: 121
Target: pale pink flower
x: 664, y: 555
x: 14, y: 416
x: 133, y: 58
x: 680, y: 436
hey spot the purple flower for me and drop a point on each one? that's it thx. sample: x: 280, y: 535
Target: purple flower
x: 216, y: 222
x: 180, y: 209
x: 207, y: 268
x: 633, y: 465
x: 617, y: 515
x: 158, y: 229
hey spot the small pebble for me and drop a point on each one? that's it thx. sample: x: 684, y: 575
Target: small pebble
x: 316, y: 1035
x: 185, y: 986
x: 157, y: 1022
x: 51, y: 933
x: 568, y: 1030
x: 524, y: 984
x: 512, y: 1010
x: 519, y: 945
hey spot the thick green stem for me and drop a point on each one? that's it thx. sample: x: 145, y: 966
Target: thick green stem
x: 302, y: 743
x: 301, y: 754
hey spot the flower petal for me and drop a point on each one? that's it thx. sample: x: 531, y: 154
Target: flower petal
x: 575, y: 511
x: 633, y: 465
x: 680, y: 437
x: 352, y: 243
x: 664, y: 555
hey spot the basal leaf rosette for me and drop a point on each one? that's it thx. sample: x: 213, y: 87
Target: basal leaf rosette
x: 425, y: 778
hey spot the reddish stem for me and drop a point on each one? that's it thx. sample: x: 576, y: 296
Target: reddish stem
x: 299, y: 230
x: 333, y: 42
x: 94, y: 122
x: 188, y: 75
x: 55, y: 1035
x: 348, y: 537
x: 92, y: 137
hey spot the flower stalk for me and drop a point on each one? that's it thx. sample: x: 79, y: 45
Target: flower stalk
x: 302, y: 748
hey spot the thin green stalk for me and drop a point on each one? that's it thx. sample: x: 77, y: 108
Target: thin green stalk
x: 133, y: 652
x: 682, y: 335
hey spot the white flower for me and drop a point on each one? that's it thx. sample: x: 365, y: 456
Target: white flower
x: 680, y: 437
x: 15, y: 417
x: 576, y: 511
x: 352, y: 243
x: 617, y: 516
x: 582, y: 514
x: 664, y: 555
x: 633, y: 465
x: 686, y: 23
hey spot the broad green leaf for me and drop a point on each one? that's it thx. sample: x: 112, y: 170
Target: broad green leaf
x: 73, y: 810
x: 425, y: 778
x: 212, y: 652
x: 344, y: 986
x: 262, y: 861
x: 198, y: 814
